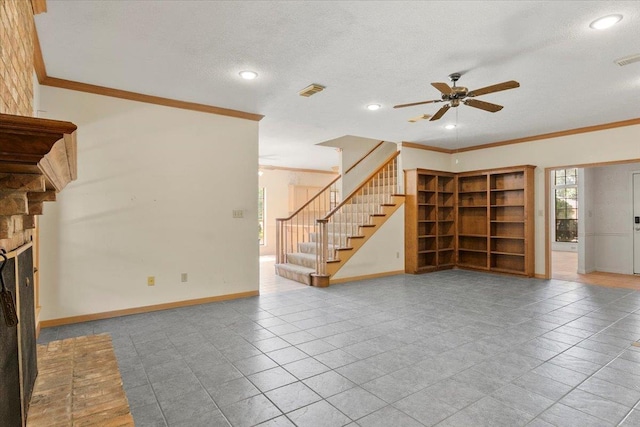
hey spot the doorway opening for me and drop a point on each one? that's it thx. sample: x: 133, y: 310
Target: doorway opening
x: 591, y: 223
x: 565, y: 210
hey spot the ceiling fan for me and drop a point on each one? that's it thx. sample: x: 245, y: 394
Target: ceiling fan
x: 454, y: 94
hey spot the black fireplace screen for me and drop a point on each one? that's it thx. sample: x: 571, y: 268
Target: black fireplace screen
x: 10, y: 412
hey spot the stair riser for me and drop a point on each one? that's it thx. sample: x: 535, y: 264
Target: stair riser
x: 310, y: 247
x: 293, y: 275
x: 340, y: 239
x: 299, y: 259
x: 376, y: 199
x: 348, y: 229
x: 360, y: 208
x: 382, y: 189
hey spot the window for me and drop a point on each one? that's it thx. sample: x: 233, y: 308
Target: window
x: 566, y: 209
x: 261, y: 215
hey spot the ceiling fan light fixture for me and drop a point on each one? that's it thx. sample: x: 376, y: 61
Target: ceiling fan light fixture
x: 450, y: 126
x: 248, y: 74
x: 605, y: 22
x: 373, y: 107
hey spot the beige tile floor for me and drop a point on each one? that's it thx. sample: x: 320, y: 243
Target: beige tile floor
x: 451, y: 348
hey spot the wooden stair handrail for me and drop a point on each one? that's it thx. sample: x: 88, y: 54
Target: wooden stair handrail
x: 331, y: 183
x: 364, y: 157
x: 310, y: 200
x: 364, y: 182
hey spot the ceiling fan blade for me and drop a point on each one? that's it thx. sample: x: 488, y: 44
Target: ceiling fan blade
x: 417, y: 103
x: 511, y: 84
x: 487, y: 106
x: 443, y: 87
x: 440, y: 113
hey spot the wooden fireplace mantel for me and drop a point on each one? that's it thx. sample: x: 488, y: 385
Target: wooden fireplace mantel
x: 38, y: 158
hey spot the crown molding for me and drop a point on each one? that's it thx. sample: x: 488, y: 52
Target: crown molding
x: 149, y: 99
x: 426, y: 147
x: 558, y: 134
x: 550, y: 135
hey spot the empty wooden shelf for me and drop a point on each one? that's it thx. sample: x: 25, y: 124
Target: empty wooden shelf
x: 481, y: 220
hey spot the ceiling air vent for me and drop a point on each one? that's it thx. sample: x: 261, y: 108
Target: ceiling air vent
x: 311, y: 90
x: 628, y: 60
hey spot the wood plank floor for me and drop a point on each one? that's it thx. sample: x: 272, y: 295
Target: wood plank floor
x: 79, y: 384
x: 565, y: 266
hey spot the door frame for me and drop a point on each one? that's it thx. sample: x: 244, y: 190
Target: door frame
x: 547, y: 203
x: 633, y: 232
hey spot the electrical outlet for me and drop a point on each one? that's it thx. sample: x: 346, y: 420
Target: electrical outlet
x: 183, y: 277
x: 151, y: 280
x: 238, y: 213
x: 398, y: 255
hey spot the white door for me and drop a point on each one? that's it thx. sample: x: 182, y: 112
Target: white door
x: 636, y: 223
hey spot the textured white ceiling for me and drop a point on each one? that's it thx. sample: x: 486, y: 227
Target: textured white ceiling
x: 385, y: 52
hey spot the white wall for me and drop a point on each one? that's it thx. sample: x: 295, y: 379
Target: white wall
x: 413, y: 158
x: 382, y: 253
x: 276, y: 183
x: 609, y: 145
x: 586, y: 221
x: 352, y: 148
x: 358, y: 174
x: 154, y: 197
x: 613, y: 218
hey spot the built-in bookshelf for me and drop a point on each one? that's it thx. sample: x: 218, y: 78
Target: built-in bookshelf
x: 429, y: 220
x: 481, y: 220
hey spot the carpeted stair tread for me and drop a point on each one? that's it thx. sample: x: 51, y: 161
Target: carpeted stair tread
x: 302, y: 259
x: 295, y: 272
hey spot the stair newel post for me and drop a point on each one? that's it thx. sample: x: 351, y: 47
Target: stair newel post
x: 322, y: 247
x: 321, y: 278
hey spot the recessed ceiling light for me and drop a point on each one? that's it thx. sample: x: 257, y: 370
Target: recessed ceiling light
x: 248, y: 75
x: 374, y: 107
x: 450, y: 126
x: 605, y: 22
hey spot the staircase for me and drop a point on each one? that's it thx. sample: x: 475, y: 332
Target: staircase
x: 320, y: 237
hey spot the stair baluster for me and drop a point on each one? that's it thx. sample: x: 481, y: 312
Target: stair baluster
x: 313, y: 236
